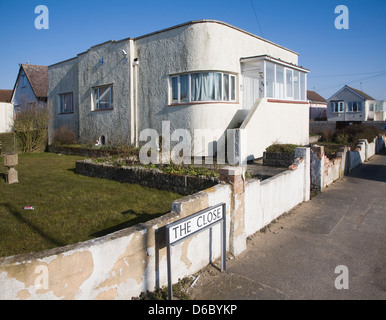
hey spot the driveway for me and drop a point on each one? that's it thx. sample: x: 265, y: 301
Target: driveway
x: 296, y: 256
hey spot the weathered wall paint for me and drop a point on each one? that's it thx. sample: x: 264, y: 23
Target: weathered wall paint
x: 124, y: 264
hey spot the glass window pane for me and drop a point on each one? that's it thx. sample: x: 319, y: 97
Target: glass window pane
x: 206, y: 86
x: 289, y: 83
x: 226, y: 87
x: 175, y: 89
x: 197, y: 93
x: 233, y: 88
x: 270, y: 79
x: 302, y: 86
x: 279, y: 86
x: 216, y: 86
x: 67, y: 102
x: 184, y: 87
x: 296, y: 84
x: 104, y: 98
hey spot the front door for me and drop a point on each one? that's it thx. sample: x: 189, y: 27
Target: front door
x: 252, y: 88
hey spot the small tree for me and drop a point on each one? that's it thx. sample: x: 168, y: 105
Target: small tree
x: 30, y: 126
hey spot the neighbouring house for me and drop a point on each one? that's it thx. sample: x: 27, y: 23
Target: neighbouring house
x: 31, y: 87
x: 318, y: 106
x: 353, y: 105
x: 6, y: 111
x: 203, y: 74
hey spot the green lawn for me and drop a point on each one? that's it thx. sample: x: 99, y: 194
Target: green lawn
x: 69, y: 208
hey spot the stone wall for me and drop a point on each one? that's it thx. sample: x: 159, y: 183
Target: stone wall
x: 278, y: 159
x: 153, y: 178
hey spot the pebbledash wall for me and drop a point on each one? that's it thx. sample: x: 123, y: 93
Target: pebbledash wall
x: 124, y: 264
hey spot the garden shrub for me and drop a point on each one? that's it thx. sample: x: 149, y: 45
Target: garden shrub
x: 282, y: 148
x: 64, y: 136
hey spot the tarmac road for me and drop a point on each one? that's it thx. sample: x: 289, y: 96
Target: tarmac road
x: 296, y: 257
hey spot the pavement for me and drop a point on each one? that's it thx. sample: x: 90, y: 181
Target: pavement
x: 296, y: 257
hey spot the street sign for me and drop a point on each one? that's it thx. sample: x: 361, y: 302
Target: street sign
x: 180, y: 230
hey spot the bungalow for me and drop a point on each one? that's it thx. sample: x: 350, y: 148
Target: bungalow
x: 353, y: 105
x: 203, y: 74
x: 31, y: 86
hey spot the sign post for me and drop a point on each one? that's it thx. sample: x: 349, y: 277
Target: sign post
x: 180, y: 230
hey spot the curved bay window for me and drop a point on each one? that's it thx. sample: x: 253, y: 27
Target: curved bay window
x: 203, y: 87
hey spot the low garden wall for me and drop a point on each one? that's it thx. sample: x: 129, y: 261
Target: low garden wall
x: 123, y: 264
x: 278, y: 159
x: 153, y: 178
x: 82, y: 151
x: 324, y: 171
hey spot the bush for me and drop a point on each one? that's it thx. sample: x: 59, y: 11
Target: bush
x: 352, y: 134
x: 282, y: 148
x: 327, y: 135
x: 30, y: 126
x: 64, y: 135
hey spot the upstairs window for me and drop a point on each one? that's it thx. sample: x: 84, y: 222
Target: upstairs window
x: 66, y: 102
x: 102, y: 98
x: 203, y: 87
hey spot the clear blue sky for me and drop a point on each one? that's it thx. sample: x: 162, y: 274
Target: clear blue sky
x: 335, y: 57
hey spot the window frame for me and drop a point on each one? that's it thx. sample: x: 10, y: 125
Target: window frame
x: 61, y: 102
x: 337, y: 106
x: 95, y: 101
x: 175, y: 83
x: 358, y: 107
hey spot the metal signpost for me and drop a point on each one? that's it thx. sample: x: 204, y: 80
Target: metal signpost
x: 185, y: 228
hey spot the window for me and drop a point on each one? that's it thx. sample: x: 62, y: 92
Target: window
x: 337, y: 106
x: 66, y: 102
x: 206, y: 86
x: 355, y: 106
x: 23, y: 80
x: 279, y: 88
x: 270, y: 79
x: 296, y: 84
x: 303, y: 86
x: 203, y: 86
x: 289, y: 83
x: 371, y: 107
x: 102, y: 98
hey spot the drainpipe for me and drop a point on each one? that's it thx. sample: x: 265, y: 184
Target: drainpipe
x: 135, y: 66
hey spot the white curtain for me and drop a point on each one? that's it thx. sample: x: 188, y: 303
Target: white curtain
x: 206, y: 86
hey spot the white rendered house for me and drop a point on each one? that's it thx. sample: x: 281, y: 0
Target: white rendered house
x: 203, y: 74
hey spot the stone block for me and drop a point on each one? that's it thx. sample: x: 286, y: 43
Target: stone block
x: 11, y: 176
x: 11, y: 160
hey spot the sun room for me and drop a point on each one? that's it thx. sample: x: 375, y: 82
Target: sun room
x: 274, y: 79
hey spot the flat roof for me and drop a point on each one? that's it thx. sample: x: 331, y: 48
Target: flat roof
x: 180, y: 26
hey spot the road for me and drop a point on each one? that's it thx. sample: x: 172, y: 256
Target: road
x: 298, y: 255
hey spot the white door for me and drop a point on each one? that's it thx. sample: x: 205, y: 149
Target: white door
x: 251, y: 86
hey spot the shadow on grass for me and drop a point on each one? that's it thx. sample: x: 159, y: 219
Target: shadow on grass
x: 16, y: 214
x: 139, y: 218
